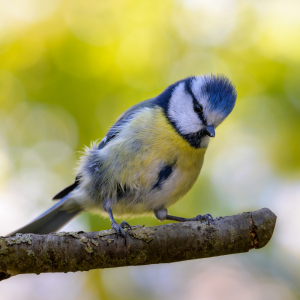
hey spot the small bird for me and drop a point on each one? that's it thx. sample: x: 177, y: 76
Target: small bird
x: 149, y: 158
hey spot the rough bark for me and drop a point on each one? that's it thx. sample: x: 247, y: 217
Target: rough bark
x: 81, y: 251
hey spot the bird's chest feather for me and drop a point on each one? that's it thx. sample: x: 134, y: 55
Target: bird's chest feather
x: 152, y: 164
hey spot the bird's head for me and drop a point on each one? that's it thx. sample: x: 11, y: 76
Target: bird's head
x: 197, y: 105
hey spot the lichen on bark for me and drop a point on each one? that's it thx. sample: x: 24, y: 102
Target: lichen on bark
x: 81, y: 251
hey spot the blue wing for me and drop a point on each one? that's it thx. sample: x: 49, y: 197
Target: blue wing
x: 68, y: 189
x: 161, y: 100
x: 124, y: 118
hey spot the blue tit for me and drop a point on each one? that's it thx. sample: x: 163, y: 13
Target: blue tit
x: 149, y: 158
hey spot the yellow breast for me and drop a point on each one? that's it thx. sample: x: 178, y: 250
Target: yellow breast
x: 171, y: 147
x: 144, y: 146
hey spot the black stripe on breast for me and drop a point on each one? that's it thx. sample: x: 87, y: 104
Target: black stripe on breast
x: 163, y: 175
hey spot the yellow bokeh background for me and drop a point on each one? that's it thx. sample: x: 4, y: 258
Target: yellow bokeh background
x: 69, y: 68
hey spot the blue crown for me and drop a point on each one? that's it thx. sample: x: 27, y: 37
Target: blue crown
x: 221, y: 93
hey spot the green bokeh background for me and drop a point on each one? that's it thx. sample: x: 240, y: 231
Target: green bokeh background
x: 69, y: 68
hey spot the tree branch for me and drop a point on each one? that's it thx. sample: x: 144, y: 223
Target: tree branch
x: 80, y: 251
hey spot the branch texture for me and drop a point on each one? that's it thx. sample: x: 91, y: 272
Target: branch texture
x: 80, y: 251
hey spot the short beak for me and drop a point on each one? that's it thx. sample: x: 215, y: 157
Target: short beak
x: 210, y: 130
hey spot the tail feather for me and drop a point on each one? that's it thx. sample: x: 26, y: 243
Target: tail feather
x: 50, y: 221
x: 68, y: 189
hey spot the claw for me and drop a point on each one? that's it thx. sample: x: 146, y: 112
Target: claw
x: 119, y: 228
x: 207, y: 217
x: 125, y: 224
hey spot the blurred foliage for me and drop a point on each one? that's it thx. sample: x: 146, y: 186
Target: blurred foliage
x: 69, y: 68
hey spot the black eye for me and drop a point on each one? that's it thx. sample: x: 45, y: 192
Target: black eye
x: 198, y: 108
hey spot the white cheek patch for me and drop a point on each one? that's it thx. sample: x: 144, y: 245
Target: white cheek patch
x: 181, y: 111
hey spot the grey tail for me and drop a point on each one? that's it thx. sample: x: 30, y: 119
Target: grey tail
x: 50, y: 221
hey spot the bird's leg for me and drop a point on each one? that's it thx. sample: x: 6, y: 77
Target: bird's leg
x: 207, y: 217
x: 116, y: 226
x: 162, y: 214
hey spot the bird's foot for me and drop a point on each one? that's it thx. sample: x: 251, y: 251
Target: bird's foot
x: 119, y: 227
x: 207, y: 217
x: 125, y: 225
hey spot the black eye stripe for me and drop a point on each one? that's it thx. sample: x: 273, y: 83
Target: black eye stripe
x: 195, y: 102
x: 198, y: 107
x: 199, y: 113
